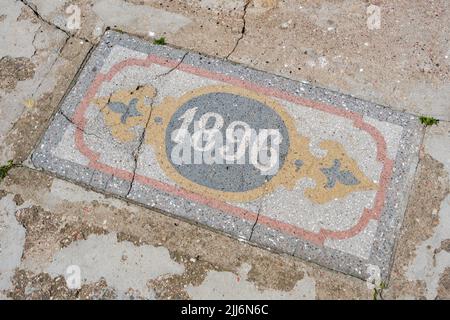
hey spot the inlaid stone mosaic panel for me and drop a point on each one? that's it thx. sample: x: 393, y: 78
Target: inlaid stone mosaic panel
x: 282, y: 164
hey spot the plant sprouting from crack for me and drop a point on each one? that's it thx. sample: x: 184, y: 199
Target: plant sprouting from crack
x: 5, y: 168
x: 428, y: 121
x: 160, y: 41
x: 378, y: 291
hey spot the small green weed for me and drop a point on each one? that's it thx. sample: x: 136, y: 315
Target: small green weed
x: 4, y: 169
x: 160, y: 41
x: 428, y: 121
x: 378, y: 291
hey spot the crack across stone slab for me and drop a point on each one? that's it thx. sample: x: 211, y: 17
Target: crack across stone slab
x: 100, y: 111
x: 140, y: 144
x: 33, y: 8
x: 142, y: 137
x: 173, y: 68
x: 77, y: 126
x: 256, y: 222
x: 83, y: 130
x: 34, y: 39
x: 244, y: 22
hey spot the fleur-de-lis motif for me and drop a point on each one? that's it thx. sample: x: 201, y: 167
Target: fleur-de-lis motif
x: 126, y: 111
x: 334, y: 173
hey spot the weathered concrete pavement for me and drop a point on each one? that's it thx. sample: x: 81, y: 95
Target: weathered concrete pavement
x: 48, y: 224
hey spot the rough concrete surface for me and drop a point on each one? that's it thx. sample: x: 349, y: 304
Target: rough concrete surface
x: 48, y: 224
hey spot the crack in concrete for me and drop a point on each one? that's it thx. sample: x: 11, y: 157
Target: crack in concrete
x: 173, y: 68
x: 100, y: 111
x: 36, y: 91
x: 33, y: 8
x: 78, y: 127
x: 244, y: 22
x: 34, y: 39
x: 51, y: 66
x: 256, y: 222
x: 142, y: 137
x: 137, y: 151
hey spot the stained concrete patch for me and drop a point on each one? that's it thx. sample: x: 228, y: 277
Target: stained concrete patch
x: 126, y: 268
x: 351, y: 161
x: 227, y: 285
x: 41, y: 286
x: 30, y: 56
x: 432, y: 256
x: 431, y: 262
x: 434, y: 140
x: 419, y: 269
x: 444, y: 284
x: 13, y: 70
x: 34, y: 101
x: 12, y: 239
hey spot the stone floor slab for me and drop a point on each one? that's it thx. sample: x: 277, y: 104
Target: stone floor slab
x: 296, y: 168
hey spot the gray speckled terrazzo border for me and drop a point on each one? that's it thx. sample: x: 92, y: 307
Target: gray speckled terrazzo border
x: 396, y: 196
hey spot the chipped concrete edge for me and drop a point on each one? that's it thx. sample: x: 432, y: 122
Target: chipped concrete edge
x: 28, y: 162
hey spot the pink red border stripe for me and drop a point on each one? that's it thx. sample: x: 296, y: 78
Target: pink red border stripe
x: 317, y: 238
